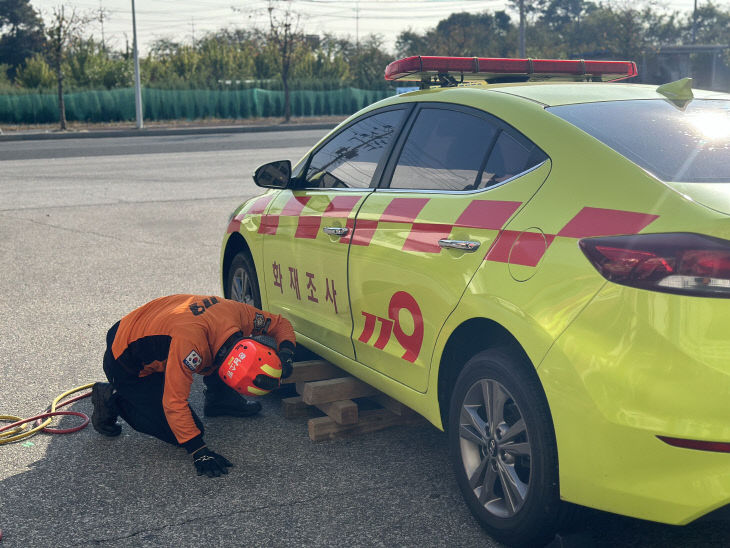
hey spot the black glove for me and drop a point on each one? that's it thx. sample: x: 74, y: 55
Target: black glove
x: 286, y: 356
x: 264, y: 382
x: 209, y: 463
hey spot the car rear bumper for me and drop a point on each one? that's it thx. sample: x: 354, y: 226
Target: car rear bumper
x: 633, y: 366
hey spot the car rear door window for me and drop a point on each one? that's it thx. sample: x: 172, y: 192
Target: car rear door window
x: 445, y: 150
x: 512, y: 154
x: 350, y: 158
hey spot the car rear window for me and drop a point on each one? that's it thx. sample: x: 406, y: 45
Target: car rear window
x: 678, y: 144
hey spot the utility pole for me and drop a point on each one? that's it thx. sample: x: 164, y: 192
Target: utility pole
x: 357, y: 25
x: 522, y: 28
x: 102, y: 14
x: 192, y: 29
x: 137, y: 84
x: 694, y: 23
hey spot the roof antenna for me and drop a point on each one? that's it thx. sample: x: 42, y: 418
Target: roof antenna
x: 678, y: 93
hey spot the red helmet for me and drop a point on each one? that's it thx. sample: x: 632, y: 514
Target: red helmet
x: 251, y: 368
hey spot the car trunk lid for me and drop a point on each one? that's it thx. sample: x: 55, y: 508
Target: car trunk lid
x: 715, y: 196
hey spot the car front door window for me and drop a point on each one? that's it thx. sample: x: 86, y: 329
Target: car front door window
x: 351, y: 158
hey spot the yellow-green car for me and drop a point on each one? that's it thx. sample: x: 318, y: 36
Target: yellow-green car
x: 540, y: 267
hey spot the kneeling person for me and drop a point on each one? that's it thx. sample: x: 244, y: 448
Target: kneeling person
x: 153, y: 352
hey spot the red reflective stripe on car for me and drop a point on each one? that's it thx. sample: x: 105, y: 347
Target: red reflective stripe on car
x: 425, y: 237
x: 308, y: 227
x: 341, y: 206
x: 349, y: 224
x: 269, y: 224
x: 530, y: 248
x: 499, y: 252
x: 235, y: 224
x: 487, y: 214
x: 521, y: 248
x: 363, y: 231
x: 594, y: 221
x: 295, y: 205
x: 259, y: 205
x: 403, y: 210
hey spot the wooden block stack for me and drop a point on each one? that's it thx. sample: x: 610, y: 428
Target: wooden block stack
x: 323, y: 386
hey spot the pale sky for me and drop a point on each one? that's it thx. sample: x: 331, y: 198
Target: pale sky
x: 181, y: 20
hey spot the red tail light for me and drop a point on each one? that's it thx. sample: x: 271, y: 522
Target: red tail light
x: 682, y: 263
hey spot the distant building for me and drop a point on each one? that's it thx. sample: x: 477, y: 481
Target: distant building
x: 707, y: 65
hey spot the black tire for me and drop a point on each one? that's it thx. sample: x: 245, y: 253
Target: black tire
x: 242, y: 284
x: 517, y: 451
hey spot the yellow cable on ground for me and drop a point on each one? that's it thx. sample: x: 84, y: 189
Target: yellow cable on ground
x: 9, y: 435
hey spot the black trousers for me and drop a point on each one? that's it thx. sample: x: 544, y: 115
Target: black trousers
x: 140, y: 398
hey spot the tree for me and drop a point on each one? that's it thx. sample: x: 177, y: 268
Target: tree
x: 409, y: 43
x: 90, y: 65
x: 284, y: 35
x: 35, y: 74
x: 463, y: 34
x: 21, y: 33
x: 711, y: 25
x: 366, y: 62
x: 60, y: 33
x: 4, y: 80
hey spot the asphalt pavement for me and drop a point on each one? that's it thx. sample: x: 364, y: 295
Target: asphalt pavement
x: 90, y: 229
x: 166, y: 130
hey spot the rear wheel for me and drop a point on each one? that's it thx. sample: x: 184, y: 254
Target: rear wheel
x: 503, y: 449
x: 242, y: 284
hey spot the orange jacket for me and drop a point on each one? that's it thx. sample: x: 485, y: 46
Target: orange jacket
x: 180, y: 335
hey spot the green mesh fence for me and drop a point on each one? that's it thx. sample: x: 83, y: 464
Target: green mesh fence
x: 117, y: 105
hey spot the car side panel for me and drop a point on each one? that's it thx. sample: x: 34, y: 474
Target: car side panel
x: 304, y: 269
x: 403, y: 285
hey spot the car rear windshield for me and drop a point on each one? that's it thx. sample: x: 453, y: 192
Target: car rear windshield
x: 690, y: 144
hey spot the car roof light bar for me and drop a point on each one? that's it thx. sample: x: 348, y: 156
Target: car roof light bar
x: 442, y: 70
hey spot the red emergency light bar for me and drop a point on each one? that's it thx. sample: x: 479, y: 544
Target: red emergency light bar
x: 420, y: 68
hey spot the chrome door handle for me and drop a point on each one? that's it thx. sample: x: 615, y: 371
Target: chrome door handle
x: 463, y: 245
x: 336, y: 231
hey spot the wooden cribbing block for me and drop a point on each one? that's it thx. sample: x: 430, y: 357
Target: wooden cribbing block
x: 313, y: 370
x: 342, y: 412
x: 293, y: 408
x: 325, y: 428
x: 344, y: 388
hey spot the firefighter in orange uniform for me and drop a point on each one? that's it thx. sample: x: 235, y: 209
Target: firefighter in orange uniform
x: 152, y: 354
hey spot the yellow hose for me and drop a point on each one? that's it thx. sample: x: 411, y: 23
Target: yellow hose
x: 18, y: 433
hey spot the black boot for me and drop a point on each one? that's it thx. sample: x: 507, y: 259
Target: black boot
x: 104, y: 417
x: 222, y: 400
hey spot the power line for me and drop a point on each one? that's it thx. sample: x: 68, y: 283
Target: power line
x: 387, y: 18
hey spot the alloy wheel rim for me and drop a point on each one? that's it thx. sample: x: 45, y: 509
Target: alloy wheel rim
x: 495, y: 448
x: 241, y: 287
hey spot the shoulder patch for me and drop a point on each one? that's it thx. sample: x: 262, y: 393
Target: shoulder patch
x: 259, y: 321
x: 193, y: 360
